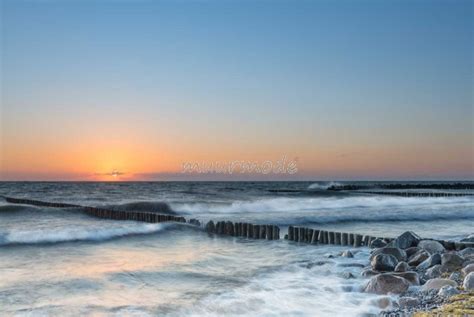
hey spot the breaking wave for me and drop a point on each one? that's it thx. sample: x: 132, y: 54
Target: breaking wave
x: 67, y: 234
x: 322, y: 185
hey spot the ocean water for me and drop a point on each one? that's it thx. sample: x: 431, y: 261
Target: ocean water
x: 61, y: 262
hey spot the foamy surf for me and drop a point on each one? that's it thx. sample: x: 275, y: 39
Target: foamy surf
x: 67, y: 234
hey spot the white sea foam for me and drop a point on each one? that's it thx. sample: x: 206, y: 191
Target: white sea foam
x: 352, y: 208
x: 75, y: 233
x: 323, y: 186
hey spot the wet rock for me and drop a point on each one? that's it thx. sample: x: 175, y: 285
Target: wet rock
x: 402, y: 267
x: 452, y: 261
x: 387, y: 283
x: 383, y: 302
x: 377, y: 243
x: 468, y: 283
x: 467, y: 252
x: 348, y: 275
x: 406, y: 240
x: 408, y: 302
x: 429, y: 262
x: 396, y: 252
x: 468, y: 269
x: 431, y: 246
x: 411, y: 251
x: 470, y: 238
x: 418, y: 258
x: 384, y: 262
x: 437, y: 283
x: 347, y: 254
x: 448, y: 291
x: 368, y: 273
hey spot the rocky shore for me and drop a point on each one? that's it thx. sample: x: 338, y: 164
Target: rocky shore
x: 428, y: 279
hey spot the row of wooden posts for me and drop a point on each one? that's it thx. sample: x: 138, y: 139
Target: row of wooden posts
x: 315, y: 236
x: 237, y: 229
x: 243, y: 229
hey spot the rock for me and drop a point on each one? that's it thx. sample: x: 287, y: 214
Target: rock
x: 431, y: 246
x: 383, y: 302
x: 368, y: 273
x: 347, y: 254
x: 377, y: 243
x: 470, y: 238
x: 429, y: 262
x: 468, y: 283
x: 384, y: 262
x: 408, y: 302
x: 411, y: 251
x: 467, y: 252
x: 435, y: 271
x: 418, y: 257
x: 455, y: 276
x: 437, y: 283
x: 411, y: 277
x: 448, y: 291
x: 348, y: 275
x: 452, y: 261
x: 402, y: 267
x: 406, y: 240
x: 468, y: 269
x: 396, y: 252
x: 387, y: 283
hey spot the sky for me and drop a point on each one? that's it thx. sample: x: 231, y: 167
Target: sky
x: 132, y: 90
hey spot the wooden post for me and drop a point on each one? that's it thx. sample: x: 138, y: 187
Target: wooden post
x: 276, y: 233
x: 331, y: 237
x: 291, y: 235
x: 351, y: 239
x: 337, y: 239
x: 314, y: 238
x: 357, y: 240
x: 344, y: 238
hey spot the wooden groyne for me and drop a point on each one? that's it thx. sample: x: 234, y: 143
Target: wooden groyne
x: 150, y: 217
x: 316, y: 236
x: 243, y: 229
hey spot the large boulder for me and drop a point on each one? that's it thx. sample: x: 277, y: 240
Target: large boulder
x: 468, y: 269
x: 411, y: 277
x: 396, y: 252
x: 402, y: 267
x: 431, y: 246
x: 411, y: 251
x: 369, y: 273
x: 406, y: 240
x: 387, y: 283
x: 467, y: 252
x: 468, y: 283
x: 437, y: 283
x: 384, y: 262
x: 418, y: 257
x: 452, y: 261
x: 429, y: 262
x: 377, y: 243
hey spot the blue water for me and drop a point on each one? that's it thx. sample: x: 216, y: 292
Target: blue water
x: 61, y: 262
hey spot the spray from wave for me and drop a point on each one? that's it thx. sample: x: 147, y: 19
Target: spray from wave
x: 322, y: 185
x: 67, y: 234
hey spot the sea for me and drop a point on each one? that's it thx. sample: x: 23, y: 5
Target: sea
x: 62, y: 262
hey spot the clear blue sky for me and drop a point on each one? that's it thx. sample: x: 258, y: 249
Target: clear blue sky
x: 354, y: 89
